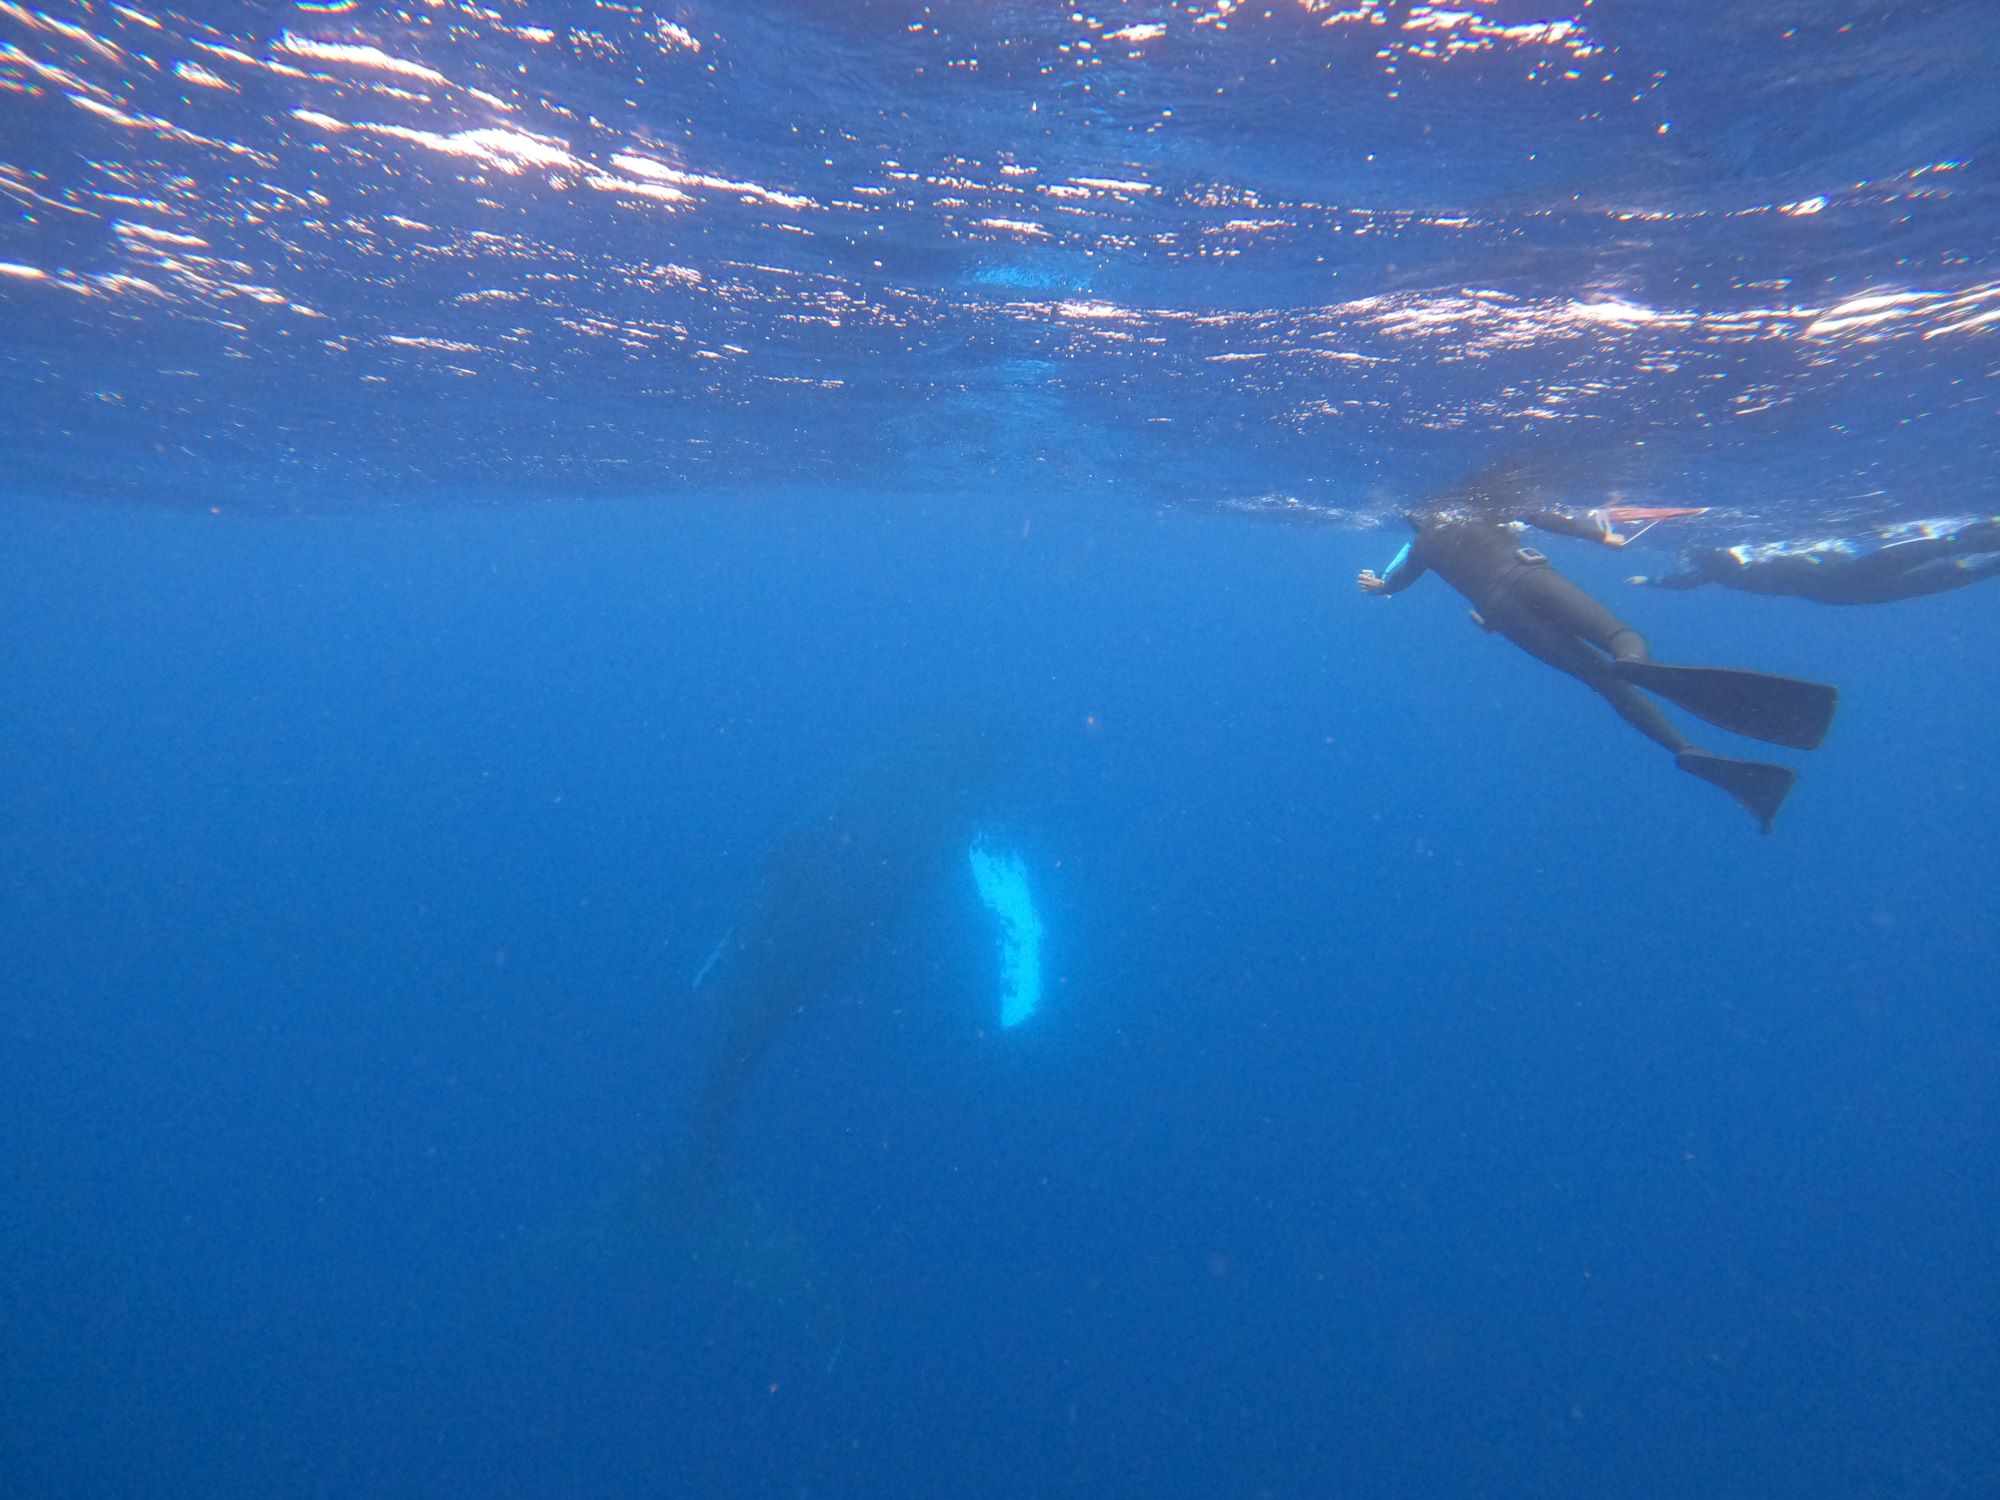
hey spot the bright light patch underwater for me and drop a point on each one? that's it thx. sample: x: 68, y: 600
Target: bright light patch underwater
x: 1003, y: 886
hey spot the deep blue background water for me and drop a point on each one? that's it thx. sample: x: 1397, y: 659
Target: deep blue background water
x: 1440, y: 1097
x: 472, y: 478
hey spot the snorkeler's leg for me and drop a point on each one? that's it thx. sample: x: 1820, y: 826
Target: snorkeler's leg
x: 1910, y: 570
x: 1568, y: 654
x: 1756, y: 787
x: 1553, y: 599
x: 1780, y: 710
x: 1901, y: 570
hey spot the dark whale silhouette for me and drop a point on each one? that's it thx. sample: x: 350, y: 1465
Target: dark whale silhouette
x: 827, y: 891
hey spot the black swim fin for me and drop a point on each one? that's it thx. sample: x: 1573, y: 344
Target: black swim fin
x: 1758, y: 787
x: 1778, y: 710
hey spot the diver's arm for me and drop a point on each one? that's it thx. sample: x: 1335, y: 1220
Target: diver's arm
x: 1590, y: 525
x: 1687, y: 576
x: 1403, y: 571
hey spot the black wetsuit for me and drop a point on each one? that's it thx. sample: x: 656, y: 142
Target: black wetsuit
x: 1515, y: 592
x: 1902, y: 562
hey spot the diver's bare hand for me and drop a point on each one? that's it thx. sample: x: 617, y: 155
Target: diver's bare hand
x: 1372, y: 583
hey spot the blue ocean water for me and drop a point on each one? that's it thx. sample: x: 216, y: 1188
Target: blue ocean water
x: 510, y: 511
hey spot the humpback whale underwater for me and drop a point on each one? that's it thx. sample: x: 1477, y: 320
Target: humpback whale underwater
x: 828, y: 890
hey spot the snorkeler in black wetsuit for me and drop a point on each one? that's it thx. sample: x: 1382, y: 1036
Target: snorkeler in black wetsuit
x: 1515, y: 592
x: 1905, y: 561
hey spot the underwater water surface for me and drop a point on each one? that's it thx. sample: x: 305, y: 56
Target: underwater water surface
x: 597, y: 595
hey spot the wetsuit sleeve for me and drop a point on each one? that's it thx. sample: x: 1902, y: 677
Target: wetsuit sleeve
x: 1404, y: 569
x: 1686, y: 575
x: 1590, y: 525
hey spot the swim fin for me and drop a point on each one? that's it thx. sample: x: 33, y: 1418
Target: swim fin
x: 1759, y: 788
x: 1779, y: 710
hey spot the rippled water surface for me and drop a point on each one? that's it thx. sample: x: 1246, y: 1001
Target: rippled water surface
x: 1285, y: 252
